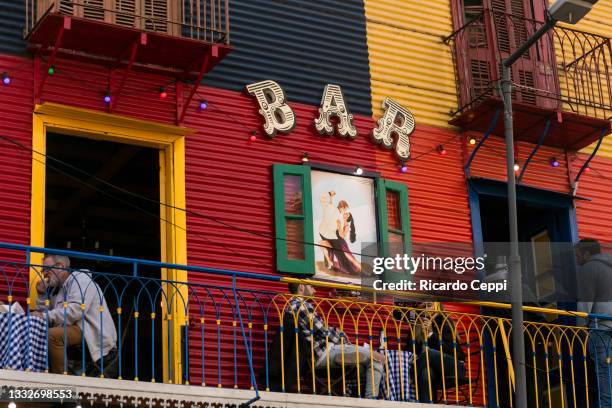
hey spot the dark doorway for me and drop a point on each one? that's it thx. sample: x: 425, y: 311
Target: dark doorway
x: 546, y: 230
x: 103, y: 197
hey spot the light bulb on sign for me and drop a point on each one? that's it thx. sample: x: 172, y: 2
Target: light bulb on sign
x: 516, y: 167
x: 162, y: 93
x: 6, y: 79
x: 554, y: 162
x: 358, y: 171
x: 12, y: 405
x: 472, y: 141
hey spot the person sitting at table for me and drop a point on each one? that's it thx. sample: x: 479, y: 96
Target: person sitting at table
x: 435, y: 368
x: 85, y: 315
x: 326, y: 341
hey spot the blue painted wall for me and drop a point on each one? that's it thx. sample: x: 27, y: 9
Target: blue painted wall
x: 301, y: 44
x: 12, y: 22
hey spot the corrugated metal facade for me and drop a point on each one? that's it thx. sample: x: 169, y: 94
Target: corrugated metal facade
x: 16, y: 107
x: 302, y: 45
x: 229, y: 177
x: 490, y: 162
x: 12, y: 22
x: 598, y: 22
x: 595, y: 216
x: 408, y: 60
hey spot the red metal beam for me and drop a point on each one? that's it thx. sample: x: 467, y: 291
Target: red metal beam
x: 141, y: 40
x: 58, y: 41
x: 196, y: 85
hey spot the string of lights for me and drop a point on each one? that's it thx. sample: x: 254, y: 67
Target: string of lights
x: 156, y: 202
x: 203, y: 104
x: 140, y: 209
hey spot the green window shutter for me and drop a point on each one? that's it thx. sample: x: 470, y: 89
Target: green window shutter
x: 393, y: 222
x: 293, y: 219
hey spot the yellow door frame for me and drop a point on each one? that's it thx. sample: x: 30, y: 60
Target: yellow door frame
x: 170, y: 141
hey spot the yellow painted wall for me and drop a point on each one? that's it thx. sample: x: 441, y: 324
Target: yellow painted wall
x: 408, y: 61
x: 599, y: 21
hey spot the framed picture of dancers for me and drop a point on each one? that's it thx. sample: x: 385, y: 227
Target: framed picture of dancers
x: 331, y: 223
x: 344, y: 219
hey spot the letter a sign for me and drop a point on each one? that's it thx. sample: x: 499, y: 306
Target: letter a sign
x: 332, y: 104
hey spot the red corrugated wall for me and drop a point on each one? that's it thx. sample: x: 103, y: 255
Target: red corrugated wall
x: 229, y: 178
x: 15, y: 169
x: 595, y: 214
x: 490, y: 162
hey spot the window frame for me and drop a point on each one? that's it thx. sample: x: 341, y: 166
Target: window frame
x: 283, y: 263
x: 381, y: 186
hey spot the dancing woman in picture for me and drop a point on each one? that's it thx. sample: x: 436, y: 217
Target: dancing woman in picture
x: 347, y: 261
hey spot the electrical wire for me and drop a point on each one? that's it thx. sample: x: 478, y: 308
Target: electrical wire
x: 189, y: 212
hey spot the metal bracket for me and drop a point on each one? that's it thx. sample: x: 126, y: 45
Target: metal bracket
x: 604, y: 132
x: 66, y: 25
x: 141, y: 40
x: 486, y: 135
x: 204, y: 67
x: 541, y: 140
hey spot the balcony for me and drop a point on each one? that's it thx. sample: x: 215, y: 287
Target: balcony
x: 181, y: 38
x: 228, y: 342
x: 564, y: 77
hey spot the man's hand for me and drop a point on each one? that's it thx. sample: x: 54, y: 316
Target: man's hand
x: 41, y: 285
x: 378, y: 356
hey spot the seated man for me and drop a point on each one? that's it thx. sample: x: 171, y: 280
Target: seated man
x: 61, y: 284
x: 437, y: 369
x: 303, y: 310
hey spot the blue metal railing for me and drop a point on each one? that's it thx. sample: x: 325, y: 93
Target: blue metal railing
x: 227, y: 328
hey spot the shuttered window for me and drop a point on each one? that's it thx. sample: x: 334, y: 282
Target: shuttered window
x: 94, y: 10
x: 293, y: 219
x: 394, y: 223
x: 151, y: 15
x: 156, y: 15
x: 126, y: 12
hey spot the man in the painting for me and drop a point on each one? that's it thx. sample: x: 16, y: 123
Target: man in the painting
x: 336, y: 224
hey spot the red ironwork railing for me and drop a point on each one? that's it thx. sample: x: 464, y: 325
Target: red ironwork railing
x: 566, y: 70
x: 204, y: 20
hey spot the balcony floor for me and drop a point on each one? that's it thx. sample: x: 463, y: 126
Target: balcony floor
x: 573, y: 133
x: 137, y: 393
x: 91, y: 39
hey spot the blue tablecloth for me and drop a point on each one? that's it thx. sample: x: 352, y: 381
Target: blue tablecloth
x: 394, y: 391
x: 23, y: 342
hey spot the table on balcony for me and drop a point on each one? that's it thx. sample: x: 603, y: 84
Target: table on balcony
x: 396, y: 384
x: 23, y: 342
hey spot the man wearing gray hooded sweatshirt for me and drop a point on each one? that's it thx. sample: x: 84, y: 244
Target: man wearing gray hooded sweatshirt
x: 76, y: 310
x: 595, y: 296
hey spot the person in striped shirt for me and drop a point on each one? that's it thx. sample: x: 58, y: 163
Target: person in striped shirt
x: 331, y: 345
